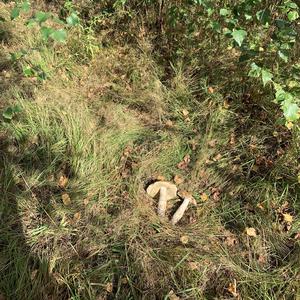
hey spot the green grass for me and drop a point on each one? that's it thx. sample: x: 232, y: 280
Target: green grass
x: 102, y: 120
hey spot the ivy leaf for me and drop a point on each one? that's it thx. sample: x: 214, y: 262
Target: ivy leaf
x: 73, y: 19
x: 59, y: 35
x: 14, y: 13
x: 266, y: 76
x: 290, y: 110
x: 255, y: 71
x: 293, y: 15
x: 283, y: 54
x: 239, y: 36
x: 224, y: 12
x: 264, y: 16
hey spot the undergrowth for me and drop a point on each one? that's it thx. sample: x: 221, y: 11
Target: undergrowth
x: 113, y: 116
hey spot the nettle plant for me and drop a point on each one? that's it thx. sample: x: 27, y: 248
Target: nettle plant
x: 266, y: 34
x: 51, y: 28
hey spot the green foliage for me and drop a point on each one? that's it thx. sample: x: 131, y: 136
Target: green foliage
x: 11, y: 111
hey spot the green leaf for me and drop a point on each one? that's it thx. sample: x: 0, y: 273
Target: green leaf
x: 283, y: 54
x: 224, y: 12
x: 73, y: 19
x: 17, y: 108
x: 290, y: 110
x: 46, y: 32
x: 41, y: 17
x: 264, y: 16
x: 282, y: 96
x: 239, y: 36
x: 255, y: 71
x: 8, y: 113
x: 14, y: 13
x: 59, y: 35
x: 28, y: 71
x: 266, y: 76
x: 25, y: 6
x: 293, y: 15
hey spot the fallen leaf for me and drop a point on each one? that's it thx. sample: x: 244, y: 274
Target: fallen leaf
x: 260, y: 206
x: 289, y: 125
x: 288, y: 218
x: 226, y: 104
x: 160, y: 178
x: 63, y: 181
x: 217, y: 157
x: 250, y: 231
x: 66, y: 199
x: 230, y: 241
x: 33, y: 274
x: 232, y: 289
x: 204, y: 197
x: 193, y: 265
x: 178, y: 179
x: 184, y: 163
x: 185, y: 112
x: 262, y: 259
x: 210, y: 90
x: 184, y: 239
x: 109, y: 287
x: 297, y: 236
x: 173, y: 296
x: 86, y: 201
x: 169, y: 123
x: 77, y: 216
x: 212, y: 143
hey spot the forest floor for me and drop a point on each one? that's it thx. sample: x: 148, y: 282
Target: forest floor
x: 76, y: 222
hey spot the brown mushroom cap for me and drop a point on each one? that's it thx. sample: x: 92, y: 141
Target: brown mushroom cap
x: 154, y: 188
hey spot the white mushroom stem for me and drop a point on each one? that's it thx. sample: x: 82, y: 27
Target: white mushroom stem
x: 180, y: 211
x: 162, y: 202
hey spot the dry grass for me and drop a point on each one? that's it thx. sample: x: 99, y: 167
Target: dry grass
x: 109, y: 125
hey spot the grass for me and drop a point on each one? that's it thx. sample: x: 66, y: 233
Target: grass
x: 104, y: 124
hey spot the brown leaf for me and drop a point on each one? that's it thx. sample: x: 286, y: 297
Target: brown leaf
x: 160, y: 178
x: 217, y: 157
x: 77, y: 216
x: 109, y: 287
x: 184, y: 163
x: 232, y: 289
x: 173, y: 296
x: 226, y: 104
x: 185, y: 112
x: 193, y: 265
x: 212, y: 143
x: 66, y: 199
x: 178, y: 179
x: 210, y: 90
x: 169, y: 123
x: 184, y: 239
x: 63, y: 181
x: 250, y: 231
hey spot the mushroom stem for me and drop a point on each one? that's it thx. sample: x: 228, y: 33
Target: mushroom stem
x: 162, y: 202
x: 180, y: 211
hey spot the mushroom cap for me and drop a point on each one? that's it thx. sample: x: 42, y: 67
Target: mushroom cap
x: 154, y: 188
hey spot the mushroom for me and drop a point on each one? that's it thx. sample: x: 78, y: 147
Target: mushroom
x: 187, y: 198
x: 166, y: 191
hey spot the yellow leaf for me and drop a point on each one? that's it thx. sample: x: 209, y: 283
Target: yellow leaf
x: 204, y: 197
x: 77, y: 216
x: 226, y: 104
x: 250, y: 231
x: 63, y: 181
x: 185, y: 112
x: 184, y: 239
x: 109, y: 287
x: 178, y: 179
x: 288, y: 218
x: 211, y: 90
x: 289, y: 125
x: 66, y: 199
